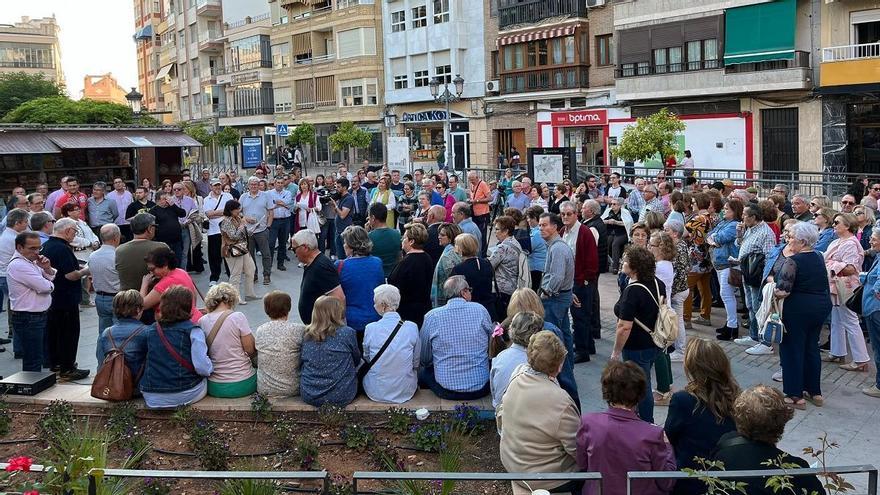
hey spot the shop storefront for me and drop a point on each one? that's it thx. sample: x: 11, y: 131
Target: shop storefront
x: 426, y: 133
x: 584, y: 130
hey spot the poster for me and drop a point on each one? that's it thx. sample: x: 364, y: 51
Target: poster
x: 548, y: 169
x: 398, y: 154
x: 251, y: 151
x: 552, y: 165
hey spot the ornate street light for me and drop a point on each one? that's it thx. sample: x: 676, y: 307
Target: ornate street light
x: 447, y: 97
x: 134, y: 100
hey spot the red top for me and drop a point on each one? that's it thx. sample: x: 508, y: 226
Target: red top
x: 81, y: 199
x: 179, y: 277
x: 586, y: 257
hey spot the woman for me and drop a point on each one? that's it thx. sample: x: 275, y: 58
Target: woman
x: 162, y: 274
x: 85, y: 238
x: 843, y: 260
x: 681, y: 267
x: 637, y: 444
x: 536, y: 199
x: 478, y: 272
x: 305, y: 208
x: 449, y: 259
x: 662, y: 247
x: 654, y: 221
x: 822, y: 220
x: 871, y: 312
x: 618, y: 221
x: 230, y: 344
x: 421, y: 212
x: 538, y: 254
x: 506, y: 182
x: 278, y: 343
x: 393, y: 377
x: 701, y: 413
x: 639, y: 234
x: 639, y: 300
x: 412, y: 276
x: 177, y: 364
x: 760, y: 414
x: 819, y: 202
x: 723, y: 239
x: 359, y: 273
x: 127, y: 333
x: 865, y: 220
x: 505, y: 264
x: 769, y: 213
x: 330, y: 356
x: 448, y: 200
x: 151, y: 192
x: 560, y: 195
x: 407, y: 204
x: 193, y: 229
x: 234, y: 249
x: 167, y: 186
x: 226, y: 180
x: 383, y: 194
x: 755, y: 241
x: 538, y: 421
x: 521, y: 328
x: 697, y: 227
x: 678, y: 206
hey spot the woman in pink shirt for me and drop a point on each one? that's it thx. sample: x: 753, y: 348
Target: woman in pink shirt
x: 162, y: 274
x: 231, y: 344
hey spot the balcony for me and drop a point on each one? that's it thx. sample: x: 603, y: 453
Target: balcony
x: 210, y: 8
x: 303, y: 9
x: 317, y: 59
x: 26, y: 65
x: 555, y: 79
x: 850, y: 64
x: 512, y: 12
x: 800, y: 60
x: 209, y: 41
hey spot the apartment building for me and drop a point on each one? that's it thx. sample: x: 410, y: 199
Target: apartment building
x: 849, y: 82
x: 327, y: 67
x: 148, y: 15
x: 31, y: 46
x: 739, y: 73
x: 103, y: 87
x: 423, y: 41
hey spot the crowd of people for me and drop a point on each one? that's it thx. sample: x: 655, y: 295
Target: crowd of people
x: 465, y: 287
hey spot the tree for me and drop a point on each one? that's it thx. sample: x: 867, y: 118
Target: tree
x: 227, y: 137
x: 349, y: 136
x: 649, y: 136
x: 18, y: 87
x: 63, y: 110
x: 200, y: 133
x: 302, y: 134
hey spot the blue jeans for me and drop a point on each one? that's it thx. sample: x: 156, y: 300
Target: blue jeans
x: 753, y: 303
x: 29, y: 337
x: 426, y: 378
x: 186, y: 243
x: 873, y: 322
x: 4, y: 291
x: 279, y: 233
x: 556, y: 310
x: 644, y: 359
x: 104, y: 304
x: 340, y: 251
x: 177, y: 247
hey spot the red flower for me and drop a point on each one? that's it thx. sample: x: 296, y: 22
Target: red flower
x: 21, y: 463
x: 32, y: 492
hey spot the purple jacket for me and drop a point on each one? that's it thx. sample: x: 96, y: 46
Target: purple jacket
x: 615, y: 442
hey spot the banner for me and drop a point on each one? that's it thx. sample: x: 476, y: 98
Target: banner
x: 397, y: 150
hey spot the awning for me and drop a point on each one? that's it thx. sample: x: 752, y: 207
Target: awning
x: 144, y: 33
x: 128, y: 138
x: 307, y: 3
x: 761, y: 32
x: 26, y: 143
x: 163, y: 72
x: 539, y: 34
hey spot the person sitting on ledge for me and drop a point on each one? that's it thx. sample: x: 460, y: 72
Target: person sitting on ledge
x: 522, y: 327
x: 330, y: 356
x: 393, y: 376
x: 279, y: 344
x: 177, y: 356
x: 230, y: 344
x: 128, y: 333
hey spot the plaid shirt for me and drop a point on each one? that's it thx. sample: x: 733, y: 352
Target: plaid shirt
x: 757, y: 239
x: 634, y: 201
x: 454, y: 340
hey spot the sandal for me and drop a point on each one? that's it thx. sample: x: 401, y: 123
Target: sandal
x: 832, y: 359
x: 817, y: 400
x: 854, y: 366
x: 795, y: 403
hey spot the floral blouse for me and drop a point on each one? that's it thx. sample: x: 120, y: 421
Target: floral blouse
x: 681, y: 266
x: 698, y: 226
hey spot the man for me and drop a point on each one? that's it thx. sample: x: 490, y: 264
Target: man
x: 847, y: 203
x: 461, y: 215
x: 343, y: 209
x: 279, y: 232
x: 42, y: 224
x: 16, y: 223
x: 586, y: 278
x: 635, y: 201
x: 590, y: 213
x: 123, y: 199
x: 396, y: 185
x: 436, y: 216
x: 168, y: 228
x: 418, y: 174
x: 188, y: 205
x: 800, y: 208
x: 35, y: 203
x: 558, y: 278
x: 386, y: 241
x: 53, y: 197
x: 361, y: 203
x: 130, y: 264
x: 105, y: 278
x: 780, y: 189
x: 342, y: 172
x: 214, y: 205
x: 454, y: 356
x: 320, y: 277
x: 101, y: 209
x: 479, y: 197
x: 141, y: 203
x: 458, y: 193
x: 291, y: 185
x: 693, y: 184
x: 297, y: 157
x: 428, y: 187
x: 257, y: 210
x: 63, y: 318
x: 73, y: 195
x: 593, y: 188
x: 517, y: 199
x: 30, y: 277
x: 237, y: 183
x: 652, y: 202
x: 371, y: 182
x: 203, y: 185
x: 43, y: 189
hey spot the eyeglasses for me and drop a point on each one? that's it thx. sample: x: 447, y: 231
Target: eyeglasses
x: 837, y: 222
x: 567, y: 213
x: 875, y: 188
x: 847, y: 202
x: 862, y: 213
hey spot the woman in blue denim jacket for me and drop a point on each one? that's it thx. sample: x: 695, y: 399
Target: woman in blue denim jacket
x: 871, y: 311
x: 722, y: 239
x: 127, y: 333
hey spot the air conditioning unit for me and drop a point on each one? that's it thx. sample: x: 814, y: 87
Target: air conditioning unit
x: 595, y: 3
x: 493, y: 87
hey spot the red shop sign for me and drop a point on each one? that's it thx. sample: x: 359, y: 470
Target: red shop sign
x: 580, y: 118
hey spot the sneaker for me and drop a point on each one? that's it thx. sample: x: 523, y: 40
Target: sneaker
x: 759, y: 349
x: 676, y: 356
x: 777, y: 377
x: 873, y: 391
x: 746, y: 341
x: 699, y: 320
x: 212, y: 283
x: 266, y: 280
x: 74, y: 374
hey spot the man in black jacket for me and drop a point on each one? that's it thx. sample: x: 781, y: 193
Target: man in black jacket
x: 168, y: 229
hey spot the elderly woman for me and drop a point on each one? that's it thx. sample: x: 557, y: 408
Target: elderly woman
x: 703, y: 411
x: 162, y: 274
x: 760, y: 414
x: 448, y: 200
x: 654, y: 221
x: 819, y: 202
x: 560, y: 195
x: 756, y: 241
x: 538, y: 421
x: 446, y: 235
x: 305, y: 208
x: 871, y: 312
x: 843, y: 260
x: 505, y: 263
x: 681, y: 266
x: 177, y: 362
x: 522, y: 326
x: 359, y: 273
x: 639, y: 234
x: 637, y: 444
x: 278, y: 343
x: 407, y: 204
x: 392, y: 377
x: 128, y: 333
x: 822, y: 219
x: 618, y: 221
x: 723, y: 239
x: 230, y: 344
x: 662, y: 246
x: 421, y: 213
x: 697, y: 226
x: 478, y: 272
x: 413, y: 275
x: 330, y: 356
x: 382, y: 193
x: 865, y: 220
x: 85, y: 238
x: 234, y: 235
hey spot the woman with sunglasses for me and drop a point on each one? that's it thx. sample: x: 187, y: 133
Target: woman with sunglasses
x: 865, y: 220
x: 824, y: 217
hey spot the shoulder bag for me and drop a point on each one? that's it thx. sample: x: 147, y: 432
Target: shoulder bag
x: 207, y: 223
x: 113, y: 381
x: 773, y: 328
x: 174, y: 354
x: 365, y: 368
x: 209, y: 339
x: 854, y: 303
x: 752, y: 269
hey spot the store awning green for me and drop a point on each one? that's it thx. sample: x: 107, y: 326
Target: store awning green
x: 761, y: 32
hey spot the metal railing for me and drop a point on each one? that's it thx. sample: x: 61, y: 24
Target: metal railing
x: 245, y: 112
x: 851, y: 52
x: 801, y: 60
x: 544, y: 79
x: 27, y: 65
x: 96, y: 474
x: 870, y: 470
x: 633, y: 70
x: 315, y: 59
x: 248, y: 20
x: 512, y: 12
x: 427, y: 476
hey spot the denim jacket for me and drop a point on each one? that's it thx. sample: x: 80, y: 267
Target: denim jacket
x: 724, y: 235
x: 871, y: 282
x: 163, y: 374
x: 135, y: 350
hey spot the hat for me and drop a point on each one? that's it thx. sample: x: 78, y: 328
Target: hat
x: 752, y: 190
x: 727, y: 182
x: 215, y: 180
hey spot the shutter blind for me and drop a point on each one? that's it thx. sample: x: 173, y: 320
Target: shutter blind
x: 702, y: 29
x: 634, y: 46
x: 349, y: 43
x: 666, y: 36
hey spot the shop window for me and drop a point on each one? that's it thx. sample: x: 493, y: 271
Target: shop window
x: 441, y: 11
x: 400, y: 82
x: 603, y: 50
x: 557, y: 104
x: 419, y: 16
x: 443, y: 73
x: 420, y: 78
x: 398, y: 21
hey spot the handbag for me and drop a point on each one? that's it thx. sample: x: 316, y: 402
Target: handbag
x: 365, y: 368
x: 236, y: 250
x: 113, y: 381
x: 773, y: 327
x: 735, y: 277
x: 854, y: 303
x: 207, y: 223
x: 752, y: 269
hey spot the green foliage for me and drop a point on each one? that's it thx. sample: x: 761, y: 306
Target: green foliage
x: 306, y: 453
x: 155, y: 486
x: 450, y: 462
x: 716, y: 486
x: 833, y: 482
x: 399, y: 420
x: 122, y: 426
x: 5, y: 418
x: 17, y: 88
x: 63, y: 110
x: 248, y: 487
x: 349, y: 136
x: 339, y: 485
x: 649, y: 136
x: 302, y: 134
x: 331, y: 415
x: 261, y: 406
x: 198, y: 132
x: 56, y: 421
x: 429, y: 436
x: 227, y: 136
x: 209, y: 445
x: 183, y: 416
x: 357, y: 437
x: 466, y: 420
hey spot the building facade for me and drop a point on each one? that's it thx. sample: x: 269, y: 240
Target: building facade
x: 31, y: 46
x: 103, y: 87
x: 148, y: 14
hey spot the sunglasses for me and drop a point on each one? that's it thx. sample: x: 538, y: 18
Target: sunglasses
x: 875, y: 188
x: 847, y: 202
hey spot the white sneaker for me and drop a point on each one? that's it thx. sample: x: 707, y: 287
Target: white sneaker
x: 759, y: 349
x: 777, y: 377
x: 676, y: 356
x: 745, y: 341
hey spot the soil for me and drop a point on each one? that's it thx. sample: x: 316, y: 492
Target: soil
x: 254, y: 447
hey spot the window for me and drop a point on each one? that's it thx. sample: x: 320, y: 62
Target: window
x: 180, y: 40
x: 398, y: 21
x: 184, y: 105
x: 667, y: 60
x: 441, y: 11
x: 195, y: 68
x: 344, y: 4
x: 357, y: 42
x: 400, y: 82
x: 184, y: 74
x: 603, y: 50
x: 702, y: 54
x: 281, y: 55
x: 420, y: 78
x: 194, y: 33
x: 358, y: 92
x: 419, y: 17
x: 443, y: 73
x: 26, y: 55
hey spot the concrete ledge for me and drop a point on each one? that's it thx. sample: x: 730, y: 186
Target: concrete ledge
x: 80, y: 395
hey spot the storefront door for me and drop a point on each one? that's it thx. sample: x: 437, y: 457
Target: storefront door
x: 588, y: 144
x: 460, y: 150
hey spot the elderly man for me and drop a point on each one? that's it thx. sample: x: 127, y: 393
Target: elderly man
x: 279, y: 232
x: 800, y: 208
x: 258, y: 210
x: 122, y: 196
x: 35, y: 203
x: 213, y: 206
x: 16, y: 223
x: 320, y: 277
x: 42, y: 223
x: 479, y: 196
x: 558, y: 277
x: 582, y: 242
x: 188, y: 205
x: 635, y: 201
x: 371, y: 182
x: 102, y: 210
x: 386, y: 241
x: 30, y: 295
x: 517, y: 199
x: 782, y: 190
x: 428, y: 187
x: 130, y: 264
x: 847, y: 203
x: 203, y: 185
x: 54, y: 195
x: 105, y: 278
x: 455, y: 360
x: 461, y: 215
x: 652, y: 202
x: 436, y: 216
x: 63, y: 317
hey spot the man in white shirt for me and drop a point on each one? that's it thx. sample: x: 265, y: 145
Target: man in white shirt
x: 105, y: 278
x: 279, y: 233
x: 30, y: 277
x: 16, y: 223
x: 213, y: 205
x: 257, y: 209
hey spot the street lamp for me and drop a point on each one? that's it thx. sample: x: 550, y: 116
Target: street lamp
x: 447, y: 97
x: 390, y: 117
x: 134, y: 101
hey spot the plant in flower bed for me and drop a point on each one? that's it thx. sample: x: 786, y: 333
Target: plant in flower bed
x: 5, y: 418
x: 429, y: 436
x: 209, y: 445
x: 183, y: 416
x: 399, y: 420
x: 248, y: 487
x: 155, y: 486
x: 357, y: 437
x: 261, y: 406
x: 466, y: 419
x: 331, y: 415
x: 339, y: 485
x: 306, y: 453
x: 122, y: 425
x: 57, y: 419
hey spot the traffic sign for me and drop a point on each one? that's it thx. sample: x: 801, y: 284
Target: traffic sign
x: 281, y: 130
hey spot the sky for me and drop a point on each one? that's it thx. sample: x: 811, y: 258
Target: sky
x: 96, y: 36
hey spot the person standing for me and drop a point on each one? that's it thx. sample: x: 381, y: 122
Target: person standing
x: 102, y: 210
x: 168, y: 229
x: 130, y: 264
x: 141, y: 204
x: 386, y: 241
x: 181, y: 199
x: 203, y: 185
x: 30, y: 295
x: 214, y: 205
x: 320, y: 277
x: 279, y: 233
x: 257, y: 208
x: 344, y: 213
x: 586, y: 274
x: 479, y: 197
x: 105, y: 278
x: 16, y: 223
x: 558, y: 277
x: 687, y: 165
x: 63, y: 317
x: 54, y: 195
x: 123, y: 198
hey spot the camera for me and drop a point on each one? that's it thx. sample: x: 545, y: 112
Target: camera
x: 324, y: 195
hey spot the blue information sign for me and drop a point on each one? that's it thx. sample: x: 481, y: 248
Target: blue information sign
x: 251, y: 151
x: 281, y: 130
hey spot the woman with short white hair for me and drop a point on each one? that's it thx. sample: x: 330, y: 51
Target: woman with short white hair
x: 391, y: 374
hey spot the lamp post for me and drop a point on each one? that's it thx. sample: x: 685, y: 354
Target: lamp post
x: 134, y: 101
x: 447, y: 97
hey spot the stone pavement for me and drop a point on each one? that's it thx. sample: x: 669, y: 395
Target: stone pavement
x: 848, y: 417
